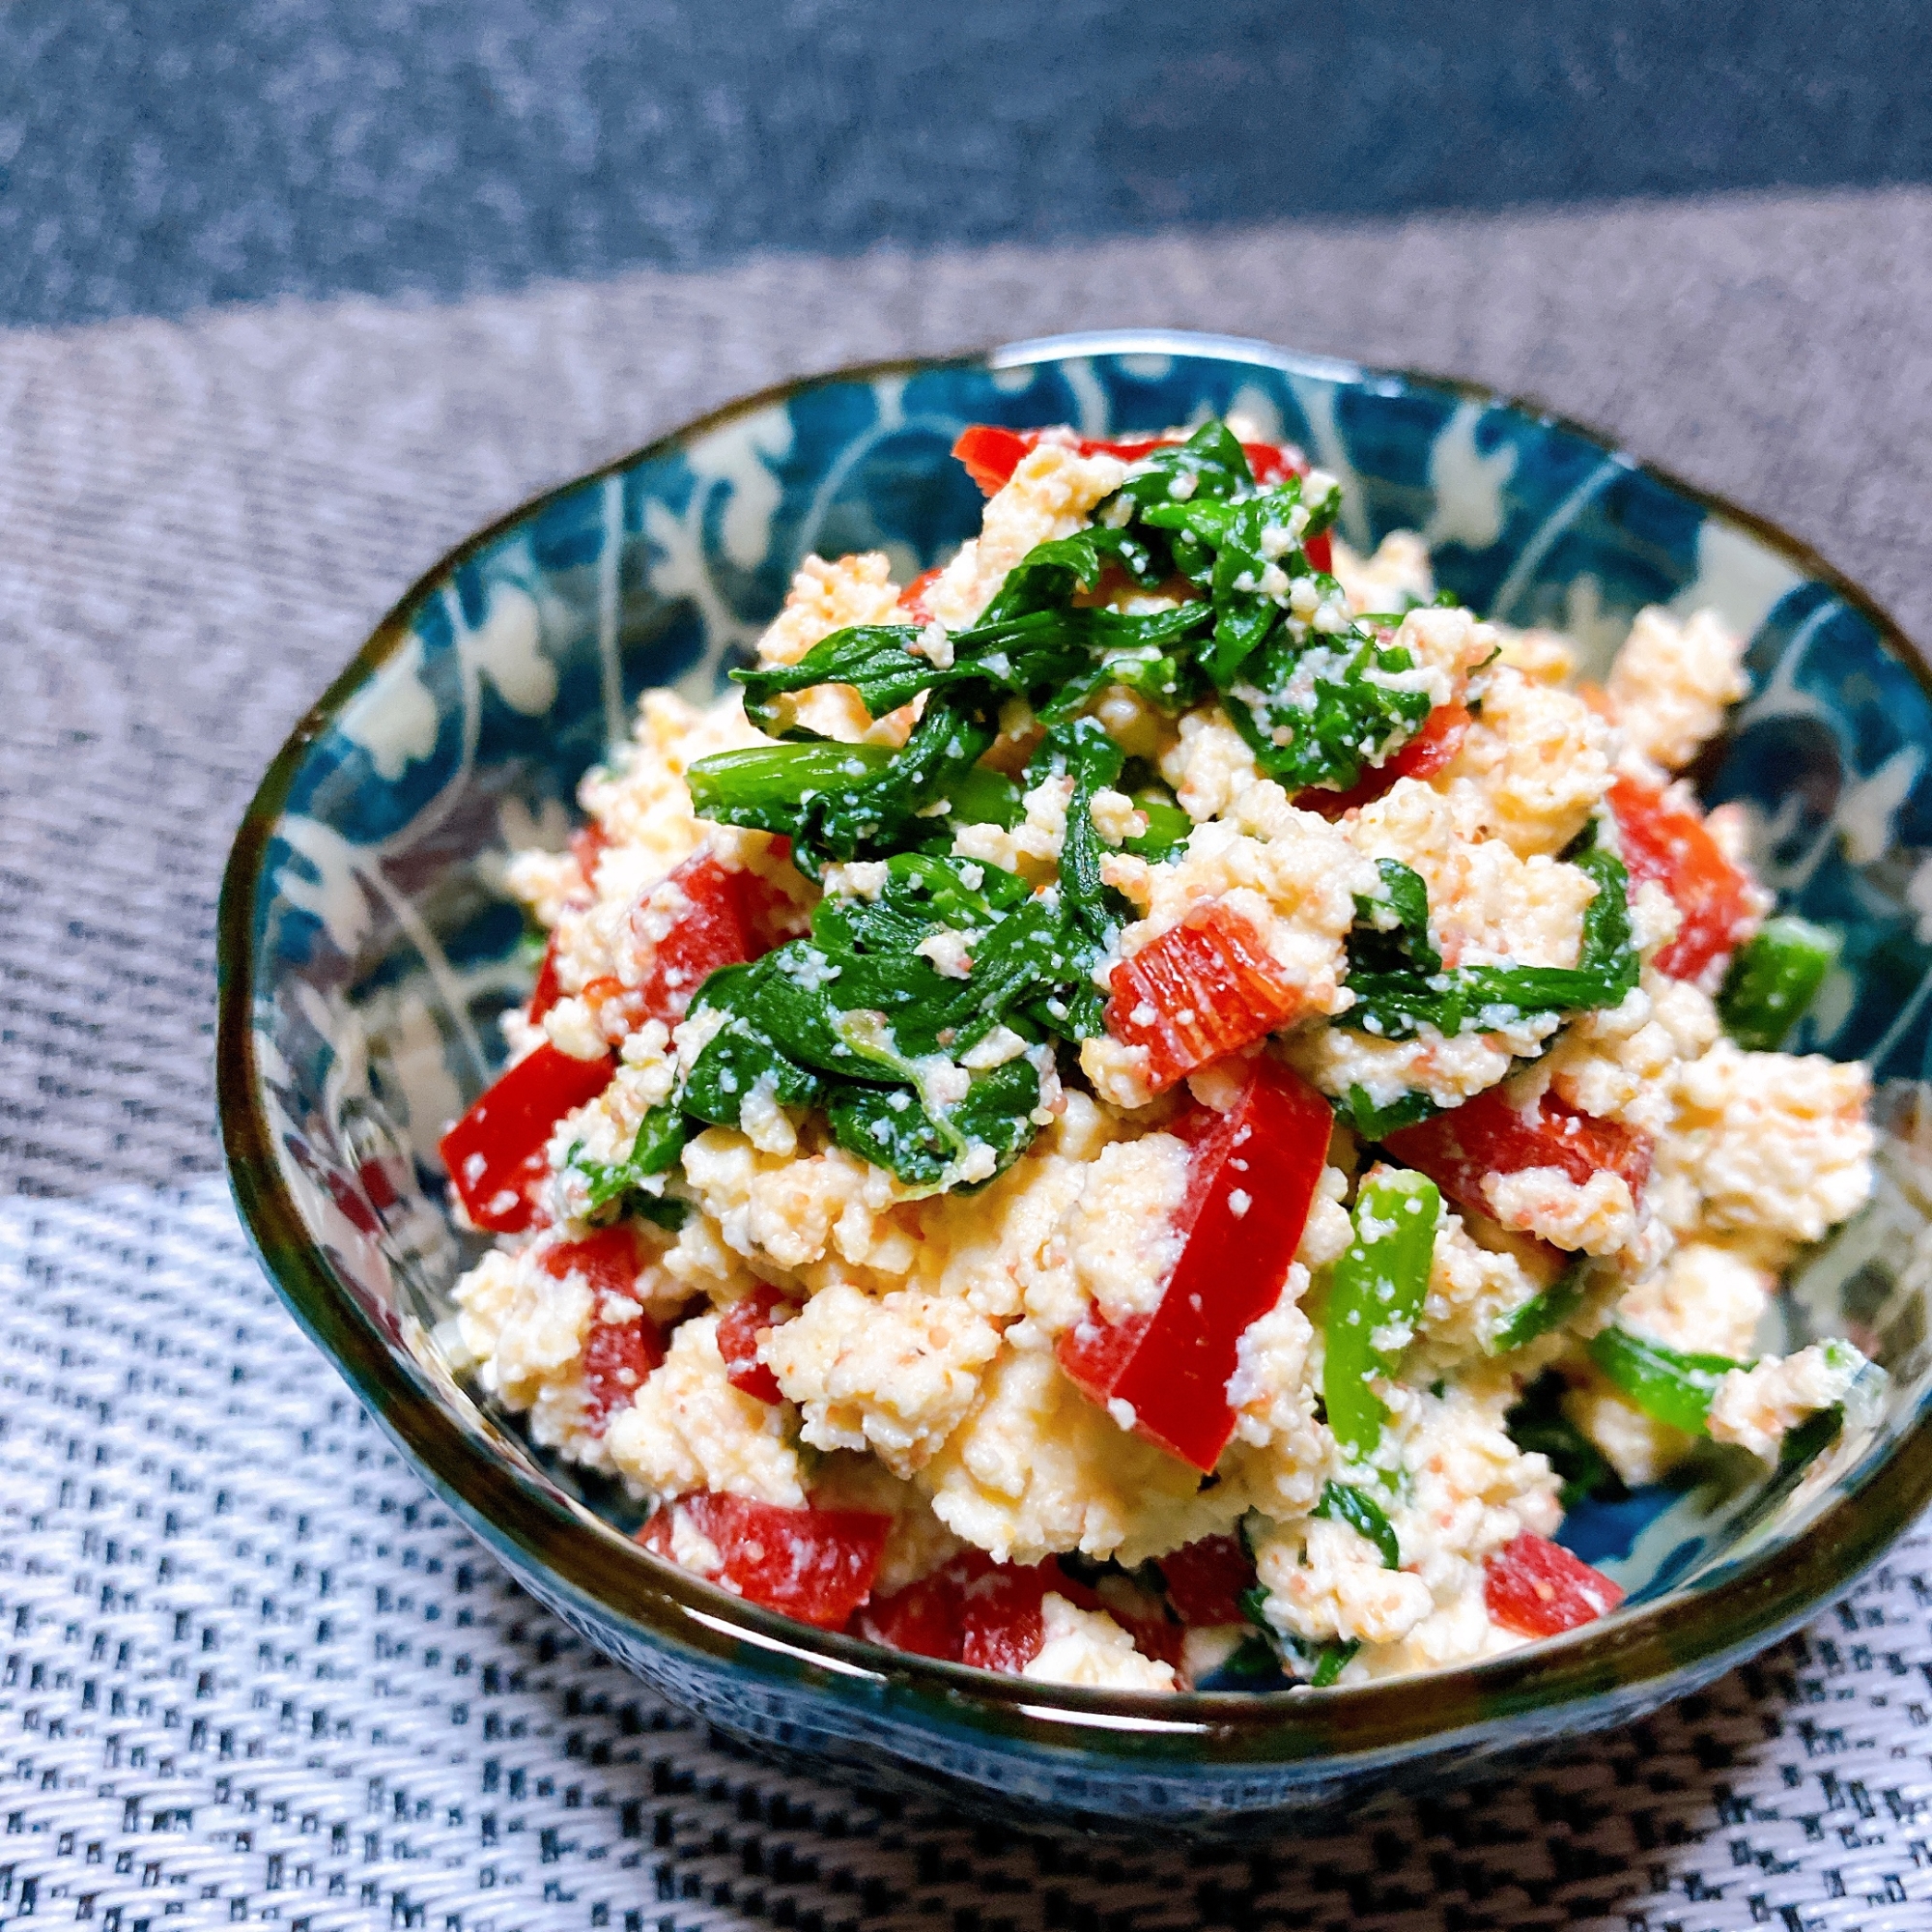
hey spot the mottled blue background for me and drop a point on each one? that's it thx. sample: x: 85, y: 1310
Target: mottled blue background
x: 158, y: 155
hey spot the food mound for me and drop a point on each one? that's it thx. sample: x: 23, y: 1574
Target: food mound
x: 1149, y: 1108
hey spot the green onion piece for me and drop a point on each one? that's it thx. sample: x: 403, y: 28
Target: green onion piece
x: 1541, y: 1313
x: 1538, y: 1426
x: 1377, y: 1123
x: 1254, y: 1658
x: 1375, y: 1292
x: 660, y: 1140
x: 1332, y: 1659
x: 1168, y: 827
x: 1662, y: 1381
x: 768, y: 778
x: 1773, y: 978
x: 979, y: 797
x: 1343, y: 1502
x: 764, y: 785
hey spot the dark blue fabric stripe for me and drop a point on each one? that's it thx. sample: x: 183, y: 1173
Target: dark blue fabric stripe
x: 156, y: 156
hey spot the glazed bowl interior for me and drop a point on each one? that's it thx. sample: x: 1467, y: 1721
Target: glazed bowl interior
x: 368, y: 946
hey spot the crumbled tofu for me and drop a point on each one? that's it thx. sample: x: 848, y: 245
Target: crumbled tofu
x: 1290, y: 873
x: 1038, y: 1469
x: 1449, y: 1071
x: 1674, y: 681
x: 1051, y: 493
x: 688, y: 1429
x: 918, y: 1378
x: 1124, y: 1236
x: 1473, y: 1288
x: 1757, y: 1408
x: 1487, y: 904
x: 1539, y: 759
x: 1769, y: 1148
x: 827, y: 597
x: 1394, y: 577
x: 1545, y: 657
x: 1325, y: 1580
x: 1621, y: 1062
x: 1706, y: 1300
x: 1209, y: 765
x: 1597, y: 1216
x: 1088, y: 1647
x: 1637, y: 1446
x: 525, y: 1329
x: 896, y: 1375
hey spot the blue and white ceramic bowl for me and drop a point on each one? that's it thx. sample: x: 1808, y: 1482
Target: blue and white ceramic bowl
x: 367, y: 948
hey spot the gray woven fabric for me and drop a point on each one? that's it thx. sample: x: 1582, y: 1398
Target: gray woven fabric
x: 248, y: 1670
x: 198, y: 523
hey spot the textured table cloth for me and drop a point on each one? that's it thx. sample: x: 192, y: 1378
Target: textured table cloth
x: 250, y: 1671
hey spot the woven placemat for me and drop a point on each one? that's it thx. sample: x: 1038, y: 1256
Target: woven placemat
x: 250, y: 1671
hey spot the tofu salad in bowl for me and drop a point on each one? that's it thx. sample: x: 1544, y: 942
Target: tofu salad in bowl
x: 1136, y: 1109
x: 1138, y: 1076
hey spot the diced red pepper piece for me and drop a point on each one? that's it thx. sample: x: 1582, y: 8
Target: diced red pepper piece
x: 973, y: 1611
x: 812, y: 1564
x: 1253, y: 1179
x: 1206, y: 1580
x: 1003, y: 1625
x: 1432, y: 749
x: 608, y: 1260
x: 913, y: 596
x: 1206, y: 987
x: 617, y: 1355
x: 549, y: 989
x: 738, y: 1331
x: 701, y: 917
x: 1487, y: 1135
x: 1667, y: 841
x: 1537, y: 1588
x: 588, y: 844
x: 494, y: 1152
x: 992, y: 454
x: 927, y: 1618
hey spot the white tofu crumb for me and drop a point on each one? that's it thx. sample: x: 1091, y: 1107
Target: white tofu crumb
x: 1757, y: 1408
x: 1674, y: 681
x: 1088, y: 1647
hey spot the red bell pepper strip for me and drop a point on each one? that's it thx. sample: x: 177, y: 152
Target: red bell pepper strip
x: 1206, y: 1580
x: 713, y: 915
x: 494, y: 1152
x: 1664, y: 840
x: 927, y: 1618
x: 608, y: 1261
x: 618, y: 1359
x: 549, y: 989
x: 1487, y: 1135
x: 973, y: 1611
x: 912, y: 598
x: 588, y: 844
x: 1206, y: 987
x: 1429, y: 752
x: 1537, y: 1588
x: 617, y: 1355
x: 1252, y: 1182
x: 812, y: 1564
x: 738, y: 1332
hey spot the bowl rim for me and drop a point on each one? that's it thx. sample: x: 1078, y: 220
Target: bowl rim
x: 1656, y: 1644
